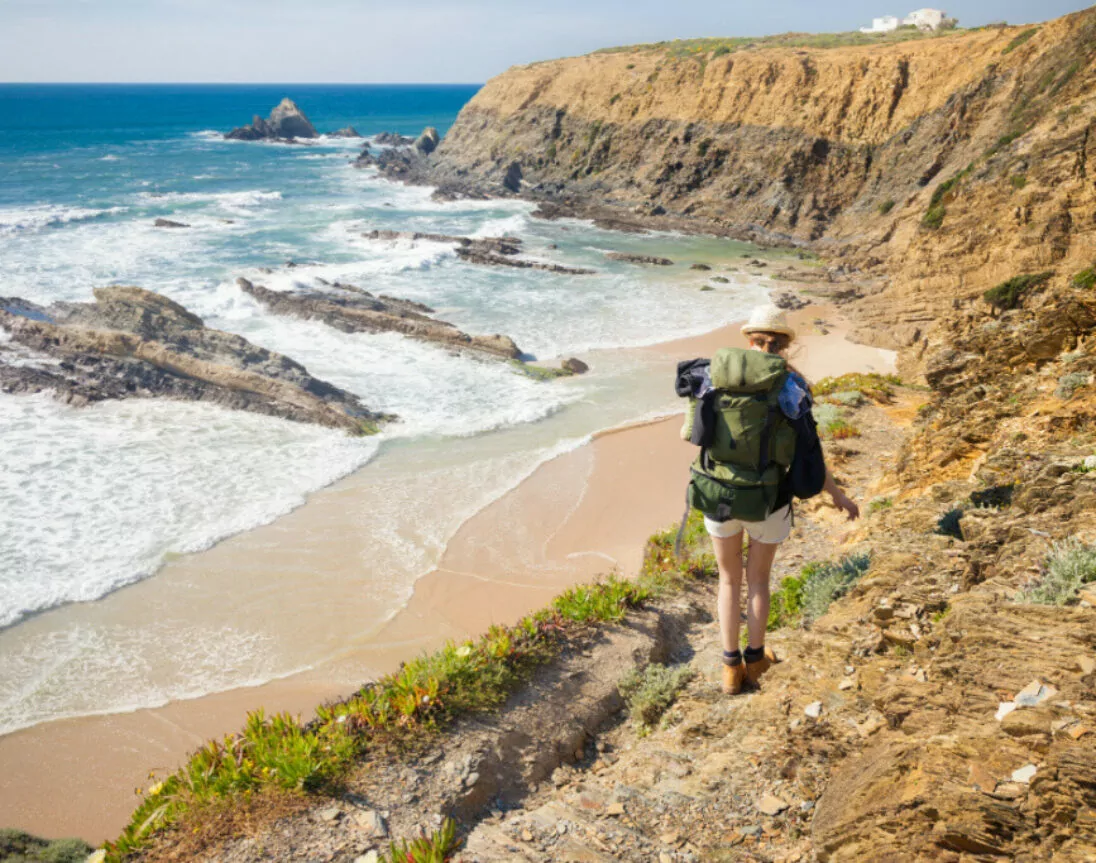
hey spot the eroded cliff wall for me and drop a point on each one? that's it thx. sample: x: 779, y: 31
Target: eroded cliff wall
x: 841, y: 148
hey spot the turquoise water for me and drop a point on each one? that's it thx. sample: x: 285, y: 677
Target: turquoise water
x: 97, y: 498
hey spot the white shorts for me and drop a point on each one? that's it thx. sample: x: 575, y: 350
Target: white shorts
x: 774, y: 529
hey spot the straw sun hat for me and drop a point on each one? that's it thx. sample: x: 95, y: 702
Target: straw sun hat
x: 768, y: 319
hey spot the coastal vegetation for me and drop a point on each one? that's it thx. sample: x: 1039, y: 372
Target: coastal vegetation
x: 879, y: 388
x: 720, y: 46
x: 1008, y: 294
x: 648, y: 692
x: 19, y: 847
x: 1085, y: 279
x: 803, y: 598
x: 1068, y: 567
x: 435, y: 848
x: 833, y: 424
x: 1019, y: 40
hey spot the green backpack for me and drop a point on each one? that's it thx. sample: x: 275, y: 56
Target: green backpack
x: 751, y: 444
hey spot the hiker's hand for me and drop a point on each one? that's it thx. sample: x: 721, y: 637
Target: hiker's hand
x: 845, y: 503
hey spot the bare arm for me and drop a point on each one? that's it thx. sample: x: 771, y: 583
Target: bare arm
x: 841, y: 500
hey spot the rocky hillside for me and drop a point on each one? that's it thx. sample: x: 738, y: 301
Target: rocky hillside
x: 938, y: 167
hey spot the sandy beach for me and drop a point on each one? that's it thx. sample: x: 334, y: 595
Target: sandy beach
x: 586, y: 512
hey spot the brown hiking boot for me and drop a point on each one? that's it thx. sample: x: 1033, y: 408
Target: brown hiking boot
x: 733, y: 678
x: 755, y: 669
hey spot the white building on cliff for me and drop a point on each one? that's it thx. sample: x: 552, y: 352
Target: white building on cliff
x: 881, y: 25
x: 922, y: 19
x: 926, y: 19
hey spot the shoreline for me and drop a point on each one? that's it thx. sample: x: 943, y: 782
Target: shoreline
x: 561, y: 525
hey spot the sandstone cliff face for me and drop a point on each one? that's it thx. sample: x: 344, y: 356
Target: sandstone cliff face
x: 843, y: 148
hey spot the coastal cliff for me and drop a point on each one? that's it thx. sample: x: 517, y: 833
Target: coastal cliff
x: 933, y: 168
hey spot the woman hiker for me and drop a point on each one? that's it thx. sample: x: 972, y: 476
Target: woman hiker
x: 767, y: 331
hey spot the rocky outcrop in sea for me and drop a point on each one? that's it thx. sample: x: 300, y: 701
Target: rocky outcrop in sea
x: 486, y: 251
x: 285, y: 123
x: 354, y: 310
x: 133, y: 343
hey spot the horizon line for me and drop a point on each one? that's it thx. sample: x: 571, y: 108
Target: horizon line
x: 241, y: 83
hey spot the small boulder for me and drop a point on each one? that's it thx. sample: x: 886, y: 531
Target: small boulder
x: 771, y: 805
x: 347, y: 132
x: 428, y: 141
x: 575, y: 366
x: 700, y: 267
x: 168, y: 223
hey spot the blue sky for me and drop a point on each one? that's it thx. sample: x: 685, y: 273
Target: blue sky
x: 395, y: 40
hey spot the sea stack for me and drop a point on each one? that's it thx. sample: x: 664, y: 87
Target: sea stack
x: 285, y: 122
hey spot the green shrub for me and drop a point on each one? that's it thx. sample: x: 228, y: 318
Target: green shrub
x: 886, y: 206
x: 650, y: 692
x: 19, y: 847
x: 1069, y: 383
x: 614, y: 98
x: 720, y: 51
x: 1086, y: 279
x: 832, y: 423
x: 1069, y: 566
x: 823, y: 583
x: 806, y: 597
x: 1018, y: 181
x: 1019, y: 40
x: 703, y: 147
x: 877, y: 504
x: 435, y: 848
x: 934, y: 217
x: 1007, y: 294
x: 606, y: 601
x: 786, y: 603
x: 550, y: 153
x: 948, y: 523
x: 847, y: 398
x: 877, y: 387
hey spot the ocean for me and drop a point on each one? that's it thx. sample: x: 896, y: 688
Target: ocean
x: 97, y: 498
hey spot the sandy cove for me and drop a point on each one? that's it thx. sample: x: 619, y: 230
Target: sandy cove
x: 586, y: 512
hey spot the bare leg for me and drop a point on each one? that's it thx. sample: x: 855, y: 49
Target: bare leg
x: 758, y: 567
x: 728, y: 555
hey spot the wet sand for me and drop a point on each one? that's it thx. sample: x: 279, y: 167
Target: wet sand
x: 586, y: 512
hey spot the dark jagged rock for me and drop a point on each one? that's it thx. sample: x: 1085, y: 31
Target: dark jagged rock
x: 401, y: 159
x: 285, y: 122
x: 704, y: 267
x: 488, y: 251
x: 168, y: 223
x: 133, y: 343
x: 393, y: 162
x: 789, y: 301
x: 346, y: 132
x: 638, y: 259
x: 476, y: 255
x: 358, y: 311
x: 574, y: 365
x: 428, y: 141
x: 392, y: 139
